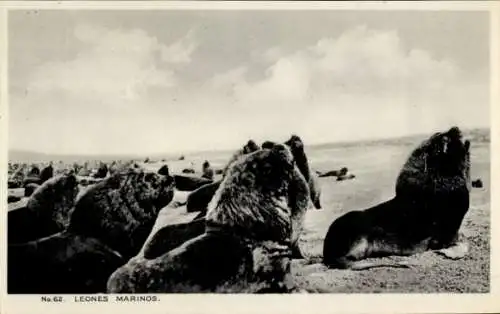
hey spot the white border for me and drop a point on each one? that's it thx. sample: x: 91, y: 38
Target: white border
x: 339, y: 303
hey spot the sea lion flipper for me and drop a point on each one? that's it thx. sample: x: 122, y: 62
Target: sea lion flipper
x: 456, y: 251
x: 364, y: 265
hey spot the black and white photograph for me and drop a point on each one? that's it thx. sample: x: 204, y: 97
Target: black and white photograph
x: 247, y: 151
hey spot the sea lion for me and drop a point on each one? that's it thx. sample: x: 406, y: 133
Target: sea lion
x: 334, y: 173
x: 164, y: 170
x: 46, y: 212
x: 102, y: 171
x: 34, y: 171
x: 432, y: 198
x: 250, y: 225
x: 29, y: 189
x: 47, y: 173
x: 208, y: 172
x: 13, y: 198
x: 122, y: 209
x: 199, y: 199
x: 478, y: 183
x: 297, y: 147
x: 189, y: 182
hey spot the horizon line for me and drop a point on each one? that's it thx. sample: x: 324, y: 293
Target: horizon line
x: 186, y: 152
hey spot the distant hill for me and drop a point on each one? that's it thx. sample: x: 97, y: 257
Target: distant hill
x: 479, y: 135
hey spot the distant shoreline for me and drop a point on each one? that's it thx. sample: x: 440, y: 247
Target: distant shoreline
x: 476, y: 134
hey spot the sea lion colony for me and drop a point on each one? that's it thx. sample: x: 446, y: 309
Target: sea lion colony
x: 101, y: 241
x: 93, y: 235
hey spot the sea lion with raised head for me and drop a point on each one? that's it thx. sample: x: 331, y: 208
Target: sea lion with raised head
x: 432, y: 198
x: 46, y: 212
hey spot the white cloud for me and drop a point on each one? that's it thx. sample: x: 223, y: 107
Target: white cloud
x: 115, y: 66
x: 269, y: 55
x: 228, y: 79
x: 286, y: 80
x: 377, y: 58
x: 181, y: 50
x: 365, y: 83
x: 100, y: 101
x: 360, y: 60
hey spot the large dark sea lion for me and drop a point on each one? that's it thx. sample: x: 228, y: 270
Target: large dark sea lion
x: 199, y: 199
x: 252, y: 220
x: 432, y: 198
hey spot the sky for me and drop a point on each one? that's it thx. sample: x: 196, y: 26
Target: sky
x: 147, y: 82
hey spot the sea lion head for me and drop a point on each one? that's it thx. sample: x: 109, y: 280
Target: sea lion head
x: 295, y: 142
x: 343, y: 171
x: 160, y: 187
x: 56, y: 197
x: 250, y: 147
x: 296, y: 146
x: 439, y: 163
x: 448, y: 152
